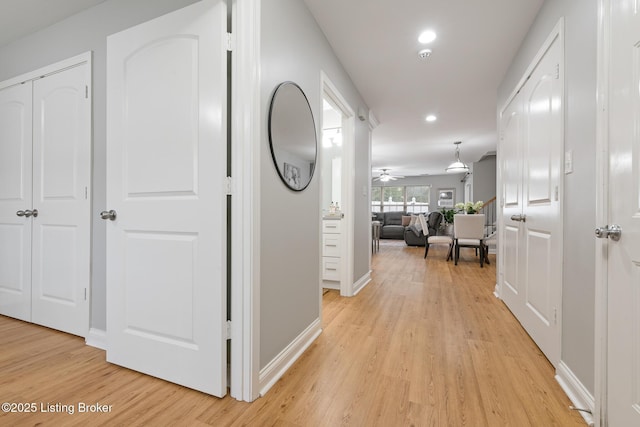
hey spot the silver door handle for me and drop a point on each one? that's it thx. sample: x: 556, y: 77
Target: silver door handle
x: 111, y: 215
x: 33, y: 213
x: 612, y: 232
x: 519, y: 218
x: 20, y: 213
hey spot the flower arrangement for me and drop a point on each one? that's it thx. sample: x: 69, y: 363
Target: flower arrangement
x: 470, y: 207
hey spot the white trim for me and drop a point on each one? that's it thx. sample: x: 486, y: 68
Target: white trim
x: 48, y: 70
x: 245, y: 237
x: 97, y: 338
x: 362, y: 282
x: 329, y: 90
x: 602, y: 202
x: 576, y: 391
x: 274, y: 370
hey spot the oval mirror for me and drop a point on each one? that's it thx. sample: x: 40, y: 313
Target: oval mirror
x: 292, y: 136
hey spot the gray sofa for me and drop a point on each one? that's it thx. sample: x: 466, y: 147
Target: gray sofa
x: 392, y: 228
x: 391, y: 223
x: 415, y: 237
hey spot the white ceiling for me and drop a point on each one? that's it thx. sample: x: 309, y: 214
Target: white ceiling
x: 21, y: 17
x: 376, y: 41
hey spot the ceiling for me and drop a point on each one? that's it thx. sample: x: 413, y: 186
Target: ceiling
x: 376, y: 41
x: 22, y: 17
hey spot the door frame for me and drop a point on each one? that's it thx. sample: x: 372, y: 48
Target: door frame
x: 330, y: 91
x: 602, y: 215
x: 246, y: 130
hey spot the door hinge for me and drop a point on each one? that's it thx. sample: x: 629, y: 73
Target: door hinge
x: 86, y: 92
x: 557, y: 71
x: 228, y: 329
x: 85, y: 294
x: 556, y: 194
x: 555, y: 316
x: 229, y: 42
x: 86, y: 193
x: 229, y: 186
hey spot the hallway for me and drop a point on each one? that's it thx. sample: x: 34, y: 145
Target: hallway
x: 424, y: 344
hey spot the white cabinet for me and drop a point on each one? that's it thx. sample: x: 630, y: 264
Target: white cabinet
x: 331, y: 252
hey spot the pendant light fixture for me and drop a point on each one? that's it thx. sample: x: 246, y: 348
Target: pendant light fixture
x: 457, y: 166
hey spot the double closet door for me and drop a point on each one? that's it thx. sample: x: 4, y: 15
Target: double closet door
x: 531, y: 147
x: 45, y: 149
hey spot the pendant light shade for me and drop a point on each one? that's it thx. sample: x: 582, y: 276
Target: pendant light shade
x: 457, y: 166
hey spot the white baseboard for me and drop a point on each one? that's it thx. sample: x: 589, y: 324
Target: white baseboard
x: 496, y: 291
x: 283, y: 361
x: 361, y: 283
x: 577, y: 392
x: 97, y: 338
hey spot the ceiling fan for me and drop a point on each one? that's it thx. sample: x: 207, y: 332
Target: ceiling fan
x: 385, y: 176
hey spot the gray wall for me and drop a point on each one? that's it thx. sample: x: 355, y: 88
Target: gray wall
x: 87, y: 31
x: 293, y: 48
x: 436, y: 181
x: 484, y: 179
x: 578, y: 289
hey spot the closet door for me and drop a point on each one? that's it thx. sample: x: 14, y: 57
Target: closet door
x: 531, y: 149
x: 61, y: 182
x: 15, y: 198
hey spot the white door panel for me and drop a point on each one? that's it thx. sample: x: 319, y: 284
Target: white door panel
x: 15, y: 195
x: 62, y: 179
x: 531, y: 149
x: 166, y: 168
x: 623, y: 385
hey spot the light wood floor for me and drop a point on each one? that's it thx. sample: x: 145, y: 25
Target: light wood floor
x: 425, y: 343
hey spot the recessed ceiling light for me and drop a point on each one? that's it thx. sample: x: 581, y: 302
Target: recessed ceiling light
x: 431, y: 118
x: 427, y: 37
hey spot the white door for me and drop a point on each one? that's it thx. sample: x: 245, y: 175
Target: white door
x: 61, y: 182
x: 532, y: 218
x: 623, y: 384
x: 166, y: 168
x: 15, y: 196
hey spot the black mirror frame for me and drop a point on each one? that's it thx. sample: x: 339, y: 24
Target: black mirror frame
x: 271, y: 141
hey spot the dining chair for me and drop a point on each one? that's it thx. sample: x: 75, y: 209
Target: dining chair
x: 468, y: 232
x: 429, y: 229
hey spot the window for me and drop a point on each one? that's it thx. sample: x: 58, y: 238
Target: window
x: 418, y: 198
x: 413, y: 198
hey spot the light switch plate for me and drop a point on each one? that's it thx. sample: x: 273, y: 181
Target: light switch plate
x: 568, y: 162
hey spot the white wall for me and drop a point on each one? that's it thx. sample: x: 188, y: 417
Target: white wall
x: 293, y: 48
x: 578, y: 289
x: 87, y: 31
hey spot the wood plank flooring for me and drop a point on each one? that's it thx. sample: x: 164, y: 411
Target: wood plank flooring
x: 424, y: 344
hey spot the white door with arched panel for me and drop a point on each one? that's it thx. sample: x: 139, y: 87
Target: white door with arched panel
x: 166, y: 169
x: 531, y: 152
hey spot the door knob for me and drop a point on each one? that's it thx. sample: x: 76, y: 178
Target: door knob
x: 20, y: 213
x: 111, y: 215
x: 612, y: 232
x: 519, y: 218
x: 33, y: 213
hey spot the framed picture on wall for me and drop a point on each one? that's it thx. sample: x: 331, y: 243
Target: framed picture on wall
x: 446, y: 197
x: 292, y: 175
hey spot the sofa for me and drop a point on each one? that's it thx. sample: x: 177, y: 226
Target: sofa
x: 414, y: 236
x: 392, y: 228
x: 391, y: 224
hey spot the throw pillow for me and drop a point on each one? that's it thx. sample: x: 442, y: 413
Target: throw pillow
x: 414, y: 219
x: 405, y: 220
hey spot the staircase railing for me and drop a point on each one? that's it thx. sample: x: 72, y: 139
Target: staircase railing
x: 490, y: 219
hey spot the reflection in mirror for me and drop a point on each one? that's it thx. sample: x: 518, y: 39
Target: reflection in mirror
x: 292, y: 136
